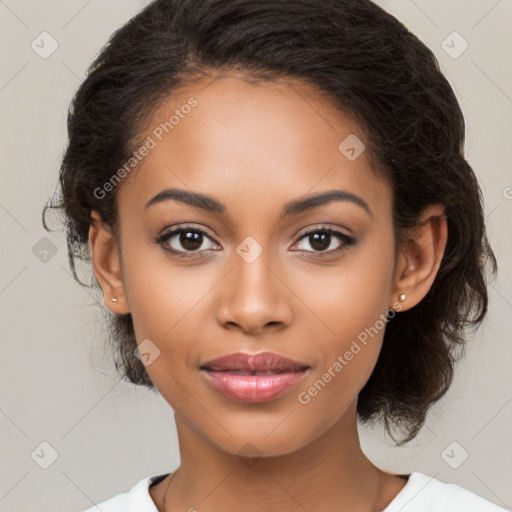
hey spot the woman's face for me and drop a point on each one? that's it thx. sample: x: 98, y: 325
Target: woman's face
x: 253, y: 282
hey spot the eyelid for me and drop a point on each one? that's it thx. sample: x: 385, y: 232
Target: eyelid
x: 181, y: 227
x: 323, y: 227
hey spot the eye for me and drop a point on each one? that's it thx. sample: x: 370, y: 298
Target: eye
x: 323, y: 239
x: 186, y: 239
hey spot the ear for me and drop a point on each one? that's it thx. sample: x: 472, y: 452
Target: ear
x: 107, y: 265
x: 420, y: 259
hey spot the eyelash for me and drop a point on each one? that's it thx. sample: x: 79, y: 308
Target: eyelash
x: 345, y: 239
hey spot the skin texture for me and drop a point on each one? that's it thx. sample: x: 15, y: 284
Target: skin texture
x: 254, y: 147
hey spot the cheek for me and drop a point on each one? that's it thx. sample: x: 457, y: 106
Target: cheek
x: 161, y: 294
x: 345, y: 361
x: 349, y: 298
x: 348, y: 328
x: 165, y: 303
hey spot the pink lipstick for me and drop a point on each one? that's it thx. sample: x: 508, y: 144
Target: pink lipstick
x: 253, y: 377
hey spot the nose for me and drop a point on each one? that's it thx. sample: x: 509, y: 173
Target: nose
x: 255, y: 296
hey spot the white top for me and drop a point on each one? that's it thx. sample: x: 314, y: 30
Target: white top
x: 421, y: 493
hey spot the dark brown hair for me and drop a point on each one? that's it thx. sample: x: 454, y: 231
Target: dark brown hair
x: 369, y: 66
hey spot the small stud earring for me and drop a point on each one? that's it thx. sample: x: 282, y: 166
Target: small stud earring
x: 402, y: 297
x: 113, y: 299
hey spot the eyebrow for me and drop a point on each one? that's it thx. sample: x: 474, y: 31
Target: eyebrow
x: 210, y: 204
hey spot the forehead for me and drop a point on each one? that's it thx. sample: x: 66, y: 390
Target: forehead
x: 258, y: 143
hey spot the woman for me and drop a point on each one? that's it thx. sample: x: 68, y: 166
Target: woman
x: 277, y: 208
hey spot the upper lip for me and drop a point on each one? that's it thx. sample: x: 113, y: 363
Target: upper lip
x: 264, y: 361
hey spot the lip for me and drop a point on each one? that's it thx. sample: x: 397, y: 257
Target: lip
x: 254, y: 377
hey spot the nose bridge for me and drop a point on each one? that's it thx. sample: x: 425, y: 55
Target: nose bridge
x: 253, y: 274
x: 255, y: 296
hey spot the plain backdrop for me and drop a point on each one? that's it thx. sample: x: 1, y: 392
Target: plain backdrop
x: 73, y: 433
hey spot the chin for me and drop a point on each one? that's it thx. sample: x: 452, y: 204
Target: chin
x: 263, y: 437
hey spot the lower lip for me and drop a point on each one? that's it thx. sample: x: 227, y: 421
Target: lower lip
x: 253, y: 388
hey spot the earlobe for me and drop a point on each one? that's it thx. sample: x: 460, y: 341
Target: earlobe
x: 106, y: 264
x: 421, y: 258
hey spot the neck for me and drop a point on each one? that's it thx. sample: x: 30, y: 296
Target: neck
x: 331, y: 473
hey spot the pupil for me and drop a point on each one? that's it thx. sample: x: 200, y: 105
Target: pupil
x: 321, y: 240
x: 190, y: 240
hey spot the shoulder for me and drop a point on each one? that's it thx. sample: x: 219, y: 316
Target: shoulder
x: 423, y: 493
x: 137, y: 499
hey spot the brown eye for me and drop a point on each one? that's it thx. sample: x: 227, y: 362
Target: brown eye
x: 186, y: 240
x: 320, y: 241
x: 326, y: 240
x: 190, y: 240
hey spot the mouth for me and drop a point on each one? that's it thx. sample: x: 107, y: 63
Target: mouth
x: 253, y: 377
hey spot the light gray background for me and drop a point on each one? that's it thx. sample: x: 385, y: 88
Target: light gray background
x: 56, y: 385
